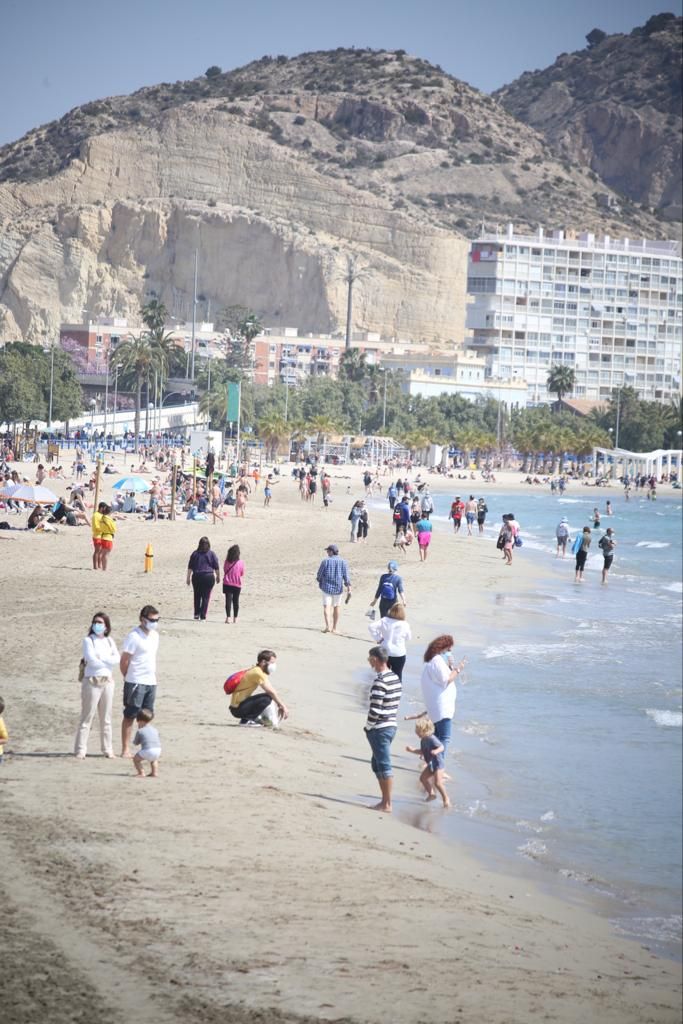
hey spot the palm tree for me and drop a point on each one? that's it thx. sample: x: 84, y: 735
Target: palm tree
x: 323, y: 426
x: 523, y: 440
x: 353, y: 365
x: 214, y: 403
x: 140, y: 357
x: 416, y: 441
x: 561, y: 381
x: 272, y: 430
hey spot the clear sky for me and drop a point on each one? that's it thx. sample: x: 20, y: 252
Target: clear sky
x: 58, y: 54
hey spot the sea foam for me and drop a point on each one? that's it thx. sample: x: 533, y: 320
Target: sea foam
x: 672, y: 719
x: 653, y: 544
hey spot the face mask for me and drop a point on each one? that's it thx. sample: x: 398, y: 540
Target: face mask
x: 98, y: 628
x: 272, y: 667
x: 149, y: 624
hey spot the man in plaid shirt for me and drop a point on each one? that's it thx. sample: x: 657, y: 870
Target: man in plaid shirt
x: 332, y: 577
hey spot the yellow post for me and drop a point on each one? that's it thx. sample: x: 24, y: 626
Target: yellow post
x: 149, y: 558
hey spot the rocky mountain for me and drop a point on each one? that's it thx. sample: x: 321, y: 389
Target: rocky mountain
x: 615, y: 107
x: 278, y: 172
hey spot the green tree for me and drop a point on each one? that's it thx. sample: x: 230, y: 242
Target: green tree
x: 272, y: 430
x: 140, y: 358
x: 561, y: 381
x: 25, y: 385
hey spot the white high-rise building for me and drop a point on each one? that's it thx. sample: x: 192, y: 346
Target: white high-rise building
x: 611, y: 310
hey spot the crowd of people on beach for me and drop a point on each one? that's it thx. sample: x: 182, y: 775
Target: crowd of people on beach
x: 254, y: 702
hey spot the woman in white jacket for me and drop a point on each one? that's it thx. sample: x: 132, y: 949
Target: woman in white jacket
x: 393, y: 632
x: 100, y: 655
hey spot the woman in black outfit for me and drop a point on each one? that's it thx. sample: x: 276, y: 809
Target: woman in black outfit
x: 203, y: 571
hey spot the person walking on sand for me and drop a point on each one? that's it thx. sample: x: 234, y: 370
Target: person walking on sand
x: 380, y: 725
x: 432, y: 751
x: 562, y: 536
x: 147, y: 738
x: 506, y: 539
x: 470, y: 513
x: 423, y: 530
x: 482, y: 511
x: 233, y: 574
x: 354, y: 519
x: 241, y: 497
x: 332, y: 577
x: 216, y: 503
x: 438, y: 686
x: 138, y: 666
x: 457, y: 509
x: 607, y: 544
x: 580, y: 549
x: 393, y: 632
x: 389, y: 590
x: 203, y: 571
x: 100, y: 656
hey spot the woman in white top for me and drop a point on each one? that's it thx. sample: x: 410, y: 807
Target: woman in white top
x: 393, y: 632
x: 97, y: 687
x: 438, y: 686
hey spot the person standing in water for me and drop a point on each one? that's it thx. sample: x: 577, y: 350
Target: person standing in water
x: 482, y: 510
x: 607, y: 545
x: 581, y: 547
x: 562, y: 536
x: 380, y: 726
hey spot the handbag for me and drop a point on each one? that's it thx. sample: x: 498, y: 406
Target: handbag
x: 518, y: 541
x: 81, y: 670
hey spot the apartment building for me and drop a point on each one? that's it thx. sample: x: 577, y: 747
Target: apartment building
x: 453, y: 372
x: 91, y: 342
x: 610, y: 309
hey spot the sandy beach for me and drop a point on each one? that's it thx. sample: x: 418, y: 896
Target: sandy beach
x: 250, y: 881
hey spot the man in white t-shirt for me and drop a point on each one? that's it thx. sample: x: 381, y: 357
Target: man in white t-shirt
x: 139, y: 670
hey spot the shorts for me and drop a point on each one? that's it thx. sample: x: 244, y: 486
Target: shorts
x: 424, y: 539
x: 607, y: 564
x: 436, y: 763
x: 97, y: 542
x: 469, y: 516
x: 332, y: 599
x: 150, y: 754
x: 380, y: 744
x: 106, y: 545
x: 137, y: 696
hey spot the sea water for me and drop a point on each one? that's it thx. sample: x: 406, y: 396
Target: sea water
x: 567, y: 737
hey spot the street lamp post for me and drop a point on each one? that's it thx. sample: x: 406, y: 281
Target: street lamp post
x: 52, y: 385
x: 194, y: 313
x: 117, y: 367
x: 616, y: 438
x: 383, y: 370
x: 106, y: 393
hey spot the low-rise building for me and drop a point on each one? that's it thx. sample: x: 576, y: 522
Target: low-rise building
x: 453, y: 372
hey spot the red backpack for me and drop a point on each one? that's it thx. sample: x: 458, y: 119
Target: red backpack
x: 233, y: 681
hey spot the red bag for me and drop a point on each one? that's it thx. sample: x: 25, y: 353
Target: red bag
x: 233, y: 681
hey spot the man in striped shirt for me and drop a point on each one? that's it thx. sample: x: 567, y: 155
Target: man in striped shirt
x: 380, y: 727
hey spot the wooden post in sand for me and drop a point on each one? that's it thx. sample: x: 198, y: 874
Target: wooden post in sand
x: 174, y: 477
x: 98, y: 472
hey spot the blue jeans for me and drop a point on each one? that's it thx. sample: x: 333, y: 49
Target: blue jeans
x: 443, y: 730
x: 380, y: 744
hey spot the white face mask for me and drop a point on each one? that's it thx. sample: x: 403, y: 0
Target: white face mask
x: 151, y: 625
x: 98, y: 628
x: 272, y: 667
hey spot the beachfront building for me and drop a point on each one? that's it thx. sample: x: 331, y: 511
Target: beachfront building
x: 91, y: 342
x: 453, y: 372
x: 610, y: 309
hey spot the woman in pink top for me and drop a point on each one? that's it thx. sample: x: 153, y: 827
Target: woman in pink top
x: 233, y: 571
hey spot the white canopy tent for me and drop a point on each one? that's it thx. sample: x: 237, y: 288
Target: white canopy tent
x: 626, y: 463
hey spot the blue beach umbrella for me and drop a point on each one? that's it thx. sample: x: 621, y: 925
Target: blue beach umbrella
x: 131, y: 483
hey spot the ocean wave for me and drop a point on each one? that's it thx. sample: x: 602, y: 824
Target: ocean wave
x: 571, y: 501
x: 654, y: 929
x: 523, y: 650
x: 534, y: 849
x: 675, y: 588
x: 476, y: 807
x: 477, y: 729
x: 548, y: 816
x: 670, y: 719
x: 653, y: 544
x: 528, y: 826
x: 576, y: 876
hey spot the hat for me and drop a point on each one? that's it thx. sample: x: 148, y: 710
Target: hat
x: 392, y: 566
x: 564, y: 519
x: 332, y: 549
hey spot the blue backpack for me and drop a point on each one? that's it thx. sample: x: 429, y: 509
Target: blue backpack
x: 388, y: 589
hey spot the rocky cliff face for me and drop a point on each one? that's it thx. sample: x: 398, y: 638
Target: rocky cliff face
x: 616, y: 107
x: 278, y: 172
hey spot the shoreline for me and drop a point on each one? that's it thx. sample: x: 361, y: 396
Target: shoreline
x: 268, y: 833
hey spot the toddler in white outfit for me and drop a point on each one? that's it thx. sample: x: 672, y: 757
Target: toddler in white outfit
x: 147, y: 738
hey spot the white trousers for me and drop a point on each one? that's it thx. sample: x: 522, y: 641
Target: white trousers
x: 100, y: 699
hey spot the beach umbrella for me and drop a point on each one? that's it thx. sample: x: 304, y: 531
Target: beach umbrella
x: 8, y: 490
x: 37, y: 494
x: 131, y: 483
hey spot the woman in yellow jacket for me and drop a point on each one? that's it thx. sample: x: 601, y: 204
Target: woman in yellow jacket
x: 103, y: 530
